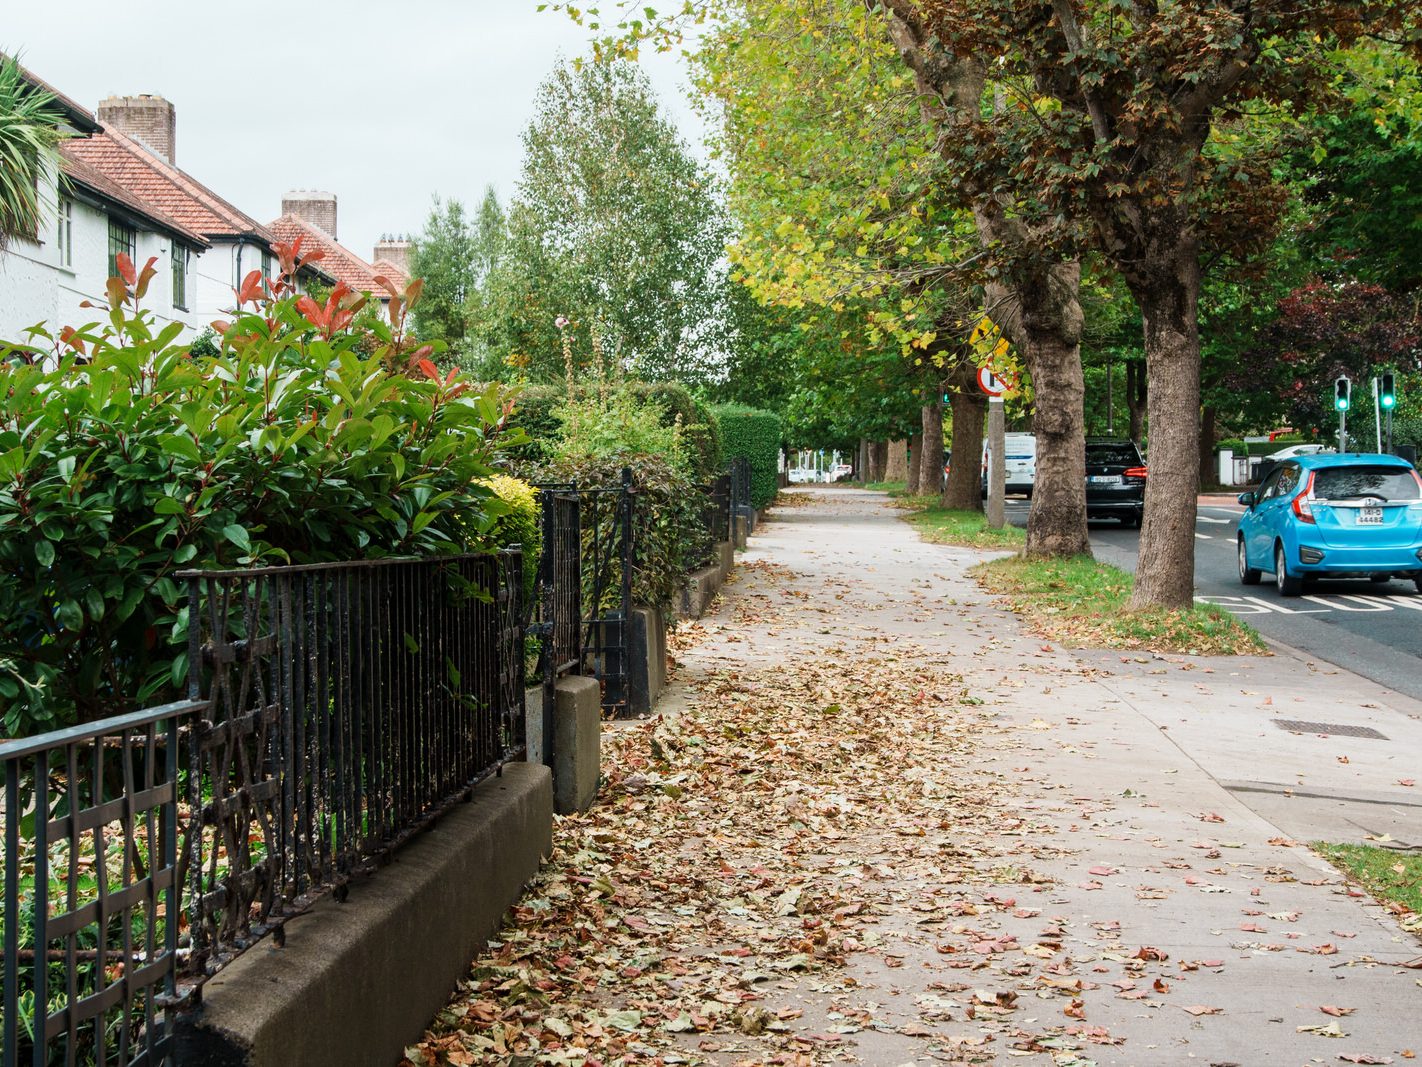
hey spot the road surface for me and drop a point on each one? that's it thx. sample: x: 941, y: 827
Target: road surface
x: 1371, y: 629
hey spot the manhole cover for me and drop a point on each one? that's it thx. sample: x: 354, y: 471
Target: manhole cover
x: 1335, y: 729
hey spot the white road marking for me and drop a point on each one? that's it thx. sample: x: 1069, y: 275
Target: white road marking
x: 1283, y: 610
x: 1253, y: 605
x: 1203, y: 537
x: 1367, y: 605
x: 1208, y: 518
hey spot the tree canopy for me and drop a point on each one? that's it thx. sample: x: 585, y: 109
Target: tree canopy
x: 614, y: 235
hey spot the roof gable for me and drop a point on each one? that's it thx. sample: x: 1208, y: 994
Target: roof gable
x: 340, y: 262
x: 163, y: 186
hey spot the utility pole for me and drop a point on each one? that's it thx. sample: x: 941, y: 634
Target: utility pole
x: 1377, y: 417
x: 1342, y: 398
x: 1110, y: 405
x: 997, y: 463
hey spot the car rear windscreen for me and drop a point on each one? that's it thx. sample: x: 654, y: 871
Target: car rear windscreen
x: 1345, y: 483
x: 1120, y: 455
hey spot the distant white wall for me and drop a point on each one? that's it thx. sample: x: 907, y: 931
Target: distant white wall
x: 36, y: 289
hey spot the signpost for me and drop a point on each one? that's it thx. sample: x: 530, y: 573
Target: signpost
x: 1342, y: 398
x: 994, y: 387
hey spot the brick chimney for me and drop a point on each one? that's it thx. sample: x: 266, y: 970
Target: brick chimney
x: 318, y: 209
x: 394, y: 249
x: 149, y: 120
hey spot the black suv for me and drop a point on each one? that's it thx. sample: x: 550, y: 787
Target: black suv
x: 1115, y: 481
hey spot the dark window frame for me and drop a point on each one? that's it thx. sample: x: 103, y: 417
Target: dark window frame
x: 122, y: 238
x: 181, y: 257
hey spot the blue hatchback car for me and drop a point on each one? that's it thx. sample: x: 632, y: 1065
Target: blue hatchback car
x: 1356, y: 515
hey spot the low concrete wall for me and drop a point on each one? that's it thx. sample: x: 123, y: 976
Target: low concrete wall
x: 577, y: 743
x: 357, y: 982
x: 646, y: 658
x: 700, y: 587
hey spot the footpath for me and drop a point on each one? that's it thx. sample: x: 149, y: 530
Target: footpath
x: 877, y: 822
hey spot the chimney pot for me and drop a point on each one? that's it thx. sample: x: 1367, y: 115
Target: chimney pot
x: 395, y: 250
x: 310, y: 206
x: 150, y: 120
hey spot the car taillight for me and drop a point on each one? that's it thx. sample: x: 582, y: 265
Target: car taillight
x: 1303, y: 503
x: 1137, y: 472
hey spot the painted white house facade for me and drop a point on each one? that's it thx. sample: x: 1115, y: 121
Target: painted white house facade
x: 120, y: 190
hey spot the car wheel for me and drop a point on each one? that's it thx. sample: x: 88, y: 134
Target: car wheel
x: 1417, y: 582
x: 1379, y: 578
x: 1287, y: 584
x: 1134, y: 521
x: 1247, y: 575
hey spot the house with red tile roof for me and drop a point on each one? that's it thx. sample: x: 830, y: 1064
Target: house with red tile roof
x: 92, y: 216
x: 122, y: 191
x: 312, y: 217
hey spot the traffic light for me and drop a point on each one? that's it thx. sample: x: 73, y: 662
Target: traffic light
x: 1342, y: 393
x: 1387, y: 395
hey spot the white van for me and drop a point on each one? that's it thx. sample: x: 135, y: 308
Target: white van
x: 1020, y: 461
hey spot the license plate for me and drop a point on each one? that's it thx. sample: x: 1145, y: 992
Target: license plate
x: 1370, y: 516
x: 1105, y: 479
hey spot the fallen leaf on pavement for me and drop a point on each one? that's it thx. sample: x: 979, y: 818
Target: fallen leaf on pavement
x: 1202, y: 1009
x: 1330, y: 1009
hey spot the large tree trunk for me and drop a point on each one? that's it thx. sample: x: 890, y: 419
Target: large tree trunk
x: 1167, y: 291
x: 897, y: 468
x: 915, y: 451
x: 1208, y: 471
x: 964, y: 489
x: 1052, y: 322
x: 951, y: 97
x: 1136, y: 397
x: 930, y: 458
x: 878, y: 460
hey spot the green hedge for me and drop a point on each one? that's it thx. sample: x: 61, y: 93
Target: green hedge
x: 754, y: 434
x: 701, y: 434
x: 701, y: 439
x: 132, y: 458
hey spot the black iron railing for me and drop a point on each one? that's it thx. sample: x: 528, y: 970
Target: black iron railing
x: 741, y: 505
x: 334, y: 710
x: 716, y: 512
x: 603, y: 531
x: 91, y: 891
x: 557, y: 611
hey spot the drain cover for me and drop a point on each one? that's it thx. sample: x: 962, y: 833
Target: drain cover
x: 1335, y: 729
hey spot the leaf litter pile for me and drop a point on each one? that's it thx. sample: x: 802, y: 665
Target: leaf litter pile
x: 844, y: 859
x: 738, y: 856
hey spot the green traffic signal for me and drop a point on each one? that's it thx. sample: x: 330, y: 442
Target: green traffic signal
x: 1342, y: 393
x: 1387, y: 395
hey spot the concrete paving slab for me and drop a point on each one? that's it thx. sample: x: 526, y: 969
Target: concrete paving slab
x: 1162, y: 916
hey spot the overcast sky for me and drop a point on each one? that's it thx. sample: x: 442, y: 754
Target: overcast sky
x: 384, y: 104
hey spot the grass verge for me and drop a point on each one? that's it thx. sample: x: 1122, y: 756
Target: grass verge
x: 1392, y: 877
x: 1083, y: 603
x: 968, y: 528
x: 886, y: 487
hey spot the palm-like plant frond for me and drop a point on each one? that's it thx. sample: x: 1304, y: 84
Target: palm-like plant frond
x: 29, y: 150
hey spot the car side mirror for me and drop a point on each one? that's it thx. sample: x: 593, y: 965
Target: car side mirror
x: 1247, y: 499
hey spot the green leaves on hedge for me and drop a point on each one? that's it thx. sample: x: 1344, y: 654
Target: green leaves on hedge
x: 754, y: 434
x: 139, y: 459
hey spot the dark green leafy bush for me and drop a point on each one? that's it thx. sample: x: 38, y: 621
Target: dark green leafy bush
x: 700, y: 433
x: 133, y: 459
x: 667, y: 531
x: 754, y: 434
x: 601, y: 431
